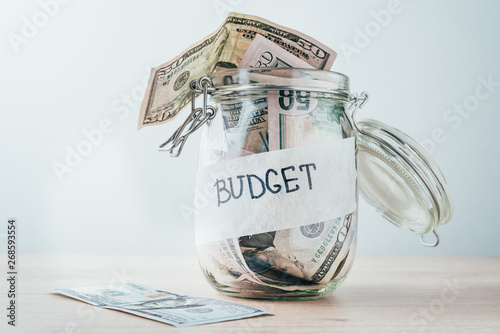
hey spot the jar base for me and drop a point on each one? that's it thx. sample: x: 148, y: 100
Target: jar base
x: 277, y: 294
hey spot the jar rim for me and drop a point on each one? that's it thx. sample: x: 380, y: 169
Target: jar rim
x: 236, y: 80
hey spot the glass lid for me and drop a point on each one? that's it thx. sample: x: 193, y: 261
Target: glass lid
x: 400, y: 179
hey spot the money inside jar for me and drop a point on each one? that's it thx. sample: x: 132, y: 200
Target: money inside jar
x: 311, y: 257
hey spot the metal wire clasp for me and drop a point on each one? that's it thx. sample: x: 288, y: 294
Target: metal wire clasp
x: 357, y: 102
x: 428, y: 244
x: 195, y: 120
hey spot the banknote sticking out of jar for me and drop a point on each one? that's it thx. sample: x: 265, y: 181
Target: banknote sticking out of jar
x: 281, y: 161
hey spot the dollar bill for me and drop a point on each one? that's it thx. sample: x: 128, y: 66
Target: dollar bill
x: 261, y: 267
x: 314, y: 247
x: 168, y: 90
x: 171, y: 308
x: 223, y: 260
x: 301, y: 118
x: 245, y: 120
x: 116, y: 294
x: 314, y: 252
x: 300, y: 258
x: 264, y: 53
x: 190, y: 311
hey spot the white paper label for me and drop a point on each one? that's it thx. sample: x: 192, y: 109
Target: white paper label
x: 275, y: 190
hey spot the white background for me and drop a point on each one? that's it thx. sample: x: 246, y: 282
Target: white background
x: 88, y: 63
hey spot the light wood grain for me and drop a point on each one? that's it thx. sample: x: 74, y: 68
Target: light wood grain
x: 381, y: 295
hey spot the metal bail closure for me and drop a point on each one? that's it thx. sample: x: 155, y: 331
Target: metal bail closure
x: 434, y: 244
x: 398, y: 177
x: 195, y: 120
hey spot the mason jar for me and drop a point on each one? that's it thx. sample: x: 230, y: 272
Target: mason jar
x: 280, y: 140
x: 281, y: 161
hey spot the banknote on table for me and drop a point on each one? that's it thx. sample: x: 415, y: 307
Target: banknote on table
x: 167, y: 307
x: 190, y: 311
x: 168, y: 89
x: 116, y: 294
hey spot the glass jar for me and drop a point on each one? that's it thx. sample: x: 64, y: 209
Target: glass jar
x: 281, y: 162
x: 272, y: 125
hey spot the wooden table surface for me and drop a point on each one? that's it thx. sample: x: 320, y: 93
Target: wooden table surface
x: 381, y: 295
